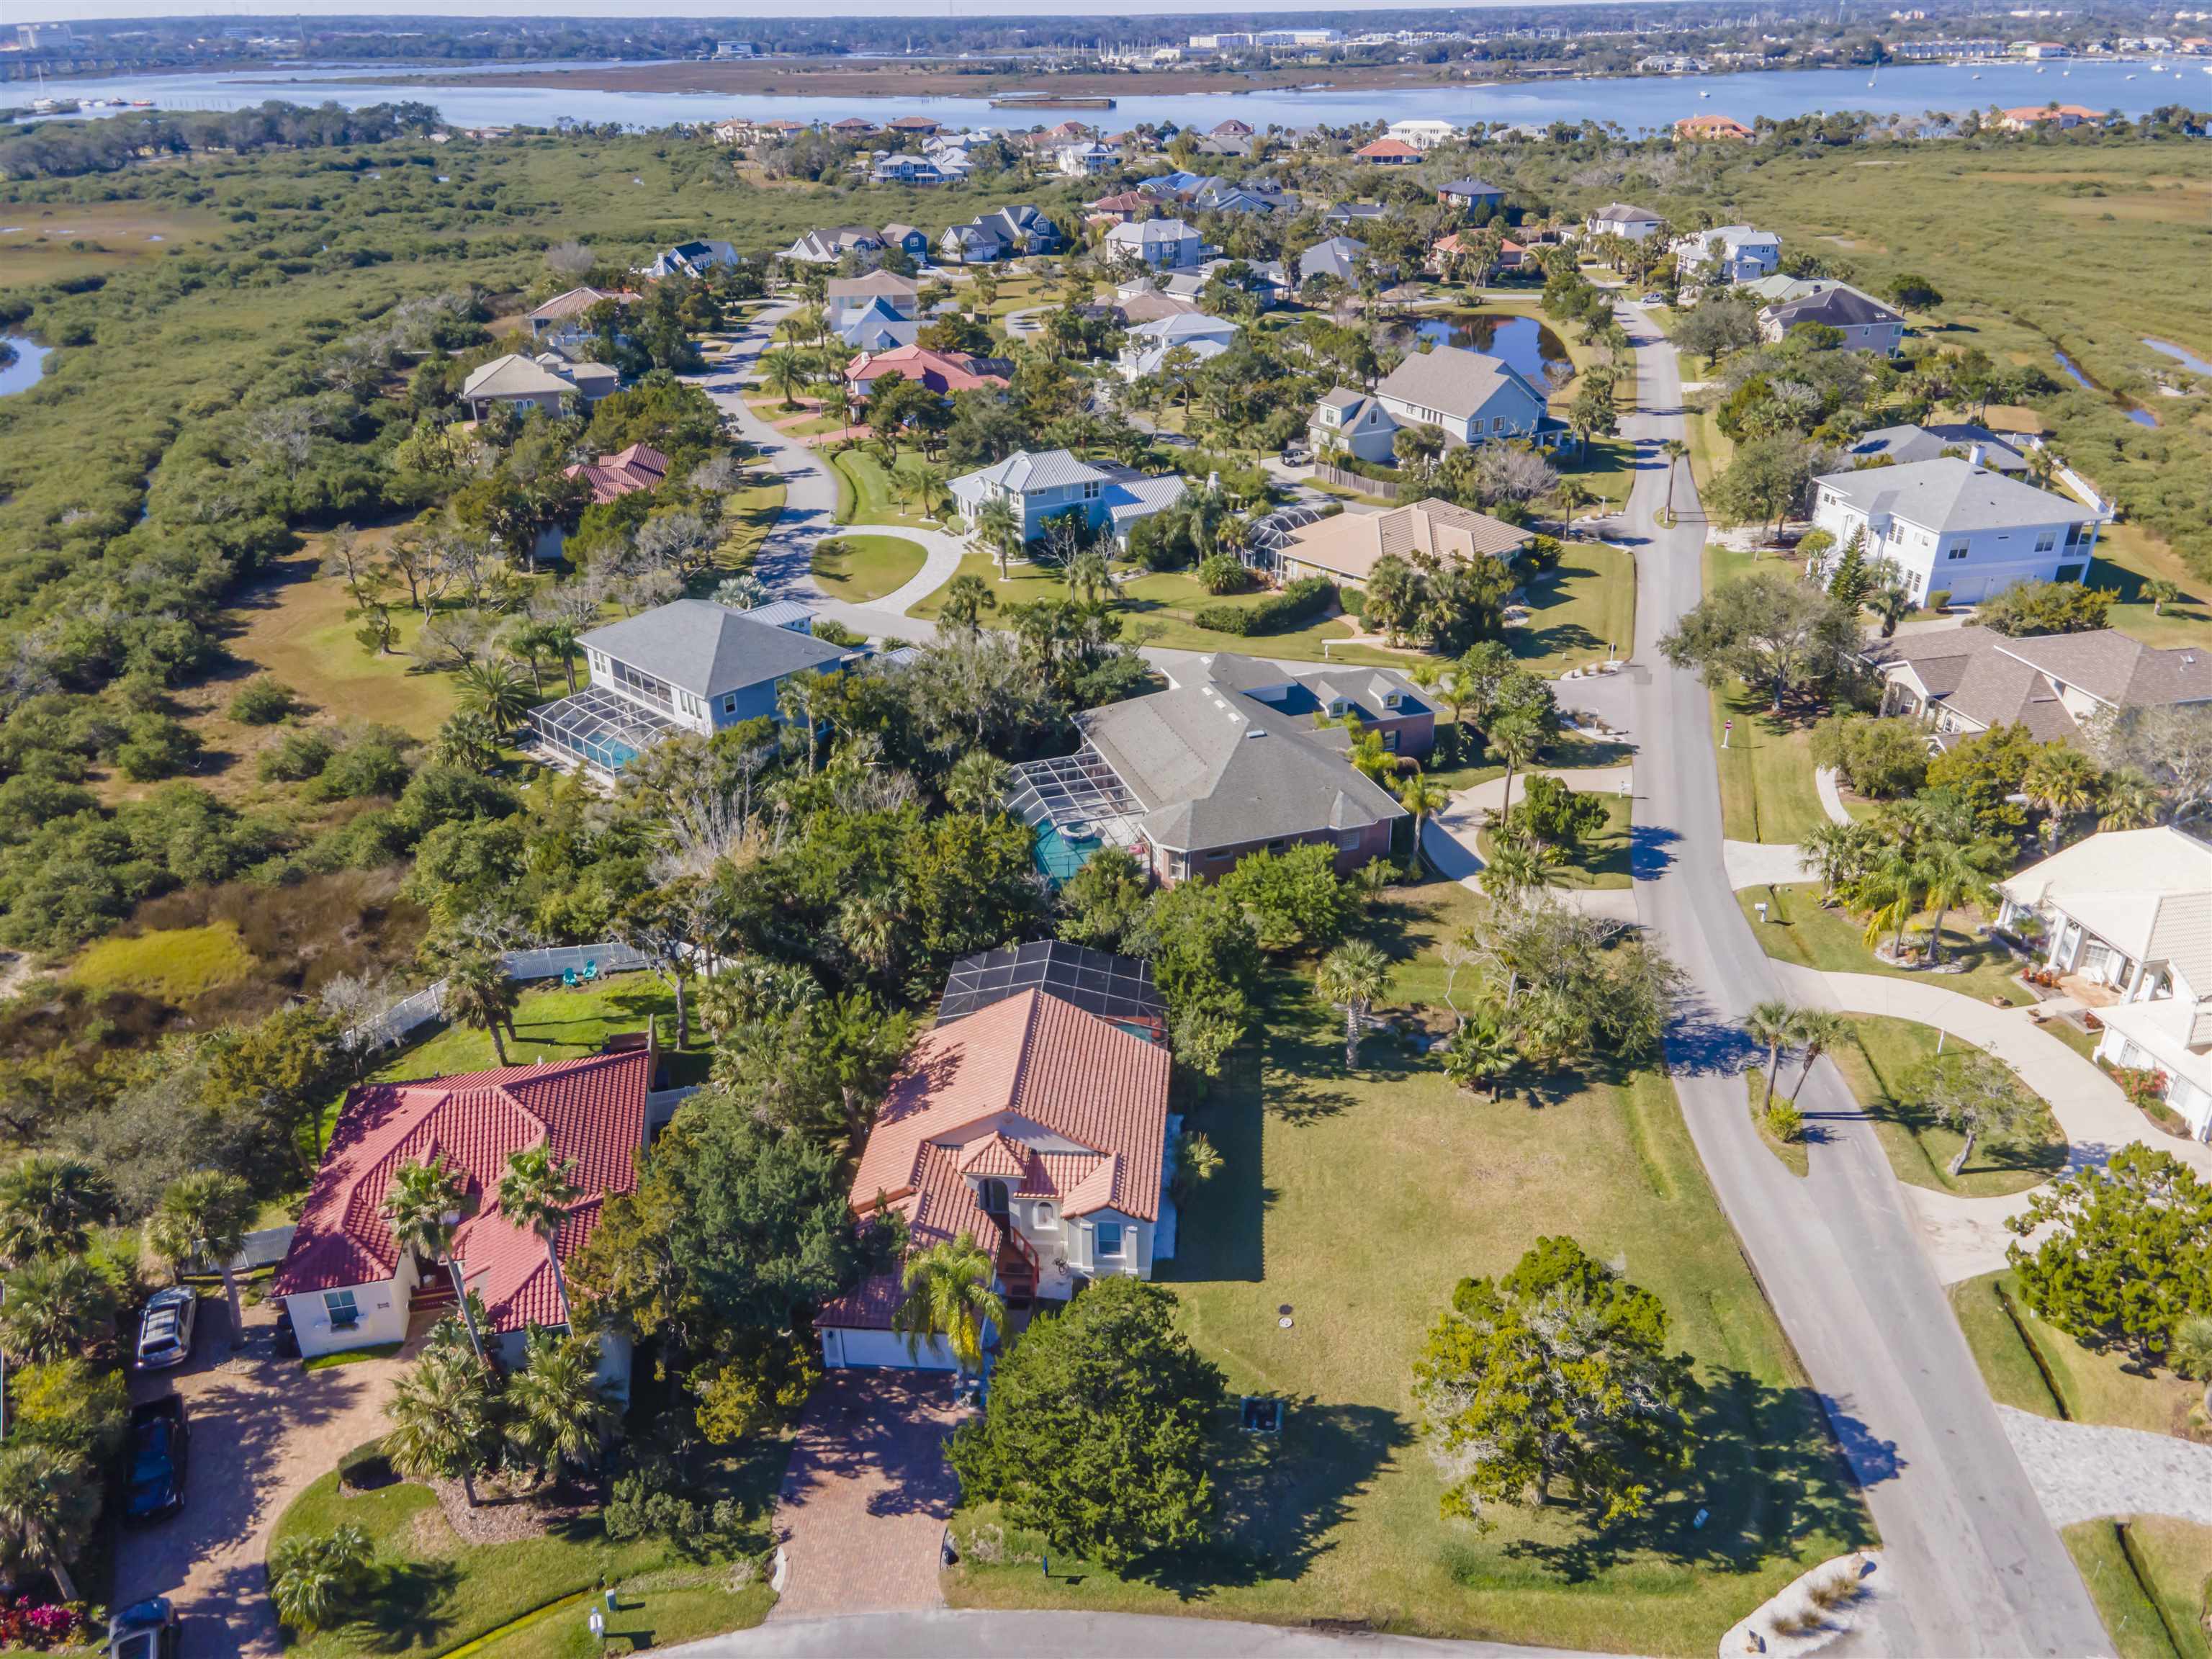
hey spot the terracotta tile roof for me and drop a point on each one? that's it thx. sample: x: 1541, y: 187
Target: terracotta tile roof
x: 641, y: 466
x: 1387, y: 150
x: 1030, y: 1070
x: 593, y: 1113
x: 995, y: 1155
x: 943, y: 372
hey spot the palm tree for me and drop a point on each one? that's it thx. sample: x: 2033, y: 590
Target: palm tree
x: 931, y: 492
x: 2190, y: 1354
x: 496, y: 693
x: 424, y: 1203
x: 1891, y: 887
x: 1000, y: 528
x: 2062, y: 781
x: 469, y: 740
x: 1352, y: 977
x: 49, y: 1204
x: 1818, y: 1030
x: 966, y: 599
x: 1675, y: 451
x: 47, y: 1507
x: 1421, y: 794
x: 559, y: 634
x: 309, y: 1577
x: 537, y: 1193
x: 1838, y: 851
x: 55, y: 1306
x: 479, y: 994
x: 977, y: 782
x: 2131, y: 802
x: 1481, y: 1051
x: 204, y: 1217
x: 441, y: 1414
x: 1516, y: 736
x: 1953, y: 873
x: 562, y: 1413
x: 950, y: 1294
x: 2160, y: 592
x: 784, y: 370
x: 1773, y: 1023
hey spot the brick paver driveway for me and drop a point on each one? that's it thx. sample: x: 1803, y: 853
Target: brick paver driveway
x: 263, y: 1430
x: 861, y: 1514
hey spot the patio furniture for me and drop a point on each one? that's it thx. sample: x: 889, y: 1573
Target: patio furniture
x: 569, y: 978
x: 592, y: 969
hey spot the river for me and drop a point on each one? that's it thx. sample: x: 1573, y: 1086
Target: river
x: 27, y: 364
x: 1637, y: 103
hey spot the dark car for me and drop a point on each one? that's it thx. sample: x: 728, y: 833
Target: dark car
x: 144, y: 1630
x: 160, y: 1445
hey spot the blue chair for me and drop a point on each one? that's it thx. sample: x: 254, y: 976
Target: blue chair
x: 592, y: 969
x: 569, y: 978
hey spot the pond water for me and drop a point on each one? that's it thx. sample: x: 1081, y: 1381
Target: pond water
x: 1525, y: 345
x: 29, y: 364
x: 2140, y: 416
x: 2188, y: 359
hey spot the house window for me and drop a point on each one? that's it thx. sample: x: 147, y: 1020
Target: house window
x: 729, y: 703
x: 1091, y: 491
x: 1277, y: 845
x: 1042, y: 1218
x: 339, y: 1306
x: 1959, y: 552
x: 2046, y: 541
x: 1109, y: 1238
x: 1390, y: 741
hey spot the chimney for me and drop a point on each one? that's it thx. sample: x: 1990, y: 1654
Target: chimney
x: 1975, y: 453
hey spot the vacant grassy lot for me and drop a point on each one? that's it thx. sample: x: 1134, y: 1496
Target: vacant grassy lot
x: 1799, y: 929
x: 862, y: 567
x: 2037, y: 1367
x: 173, y: 964
x: 1878, y: 1063
x: 2127, y: 556
x: 1767, y: 791
x: 1577, y: 612
x: 1356, y: 1202
x: 868, y: 495
x: 748, y: 515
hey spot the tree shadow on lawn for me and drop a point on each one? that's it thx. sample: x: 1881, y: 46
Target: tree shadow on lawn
x: 1769, y: 1475
x: 408, y: 1605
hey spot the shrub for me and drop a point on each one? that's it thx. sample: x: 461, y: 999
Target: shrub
x: 1938, y: 598
x: 1879, y: 759
x: 159, y: 747
x: 1300, y: 602
x: 368, y: 768
x: 262, y: 702
x: 2144, y: 1085
x: 310, y: 1579
x: 1224, y: 573
x: 297, y: 757
x: 1784, y: 1121
x: 2040, y: 607
x: 835, y: 633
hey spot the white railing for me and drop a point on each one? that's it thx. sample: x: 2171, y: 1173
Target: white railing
x: 546, y: 961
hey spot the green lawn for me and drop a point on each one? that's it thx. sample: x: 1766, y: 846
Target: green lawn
x: 1608, y: 470
x: 1576, y: 612
x: 862, y: 567
x: 2127, y: 555
x: 1767, y: 791
x: 1357, y: 1201
x: 2036, y: 1367
x: 1600, y: 861
x: 2149, y: 1578
x: 866, y: 494
x: 550, y: 1022
x: 1799, y: 929
x: 749, y: 514
x: 433, y: 1593
x: 1878, y: 1063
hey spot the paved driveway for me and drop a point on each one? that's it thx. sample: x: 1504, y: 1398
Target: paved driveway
x: 862, y: 1511
x: 262, y: 1431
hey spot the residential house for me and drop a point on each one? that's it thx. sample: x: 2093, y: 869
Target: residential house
x: 832, y: 247
x: 1344, y: 546
x: 2128, y: 910
x: 1620, y: 219
x: 877, y: 328
x: 691, y: 665
x: 1232, y: 129
x: 1009, y: 234
x: 348, y: 1282
x: 897, y: 167
x: 1778, y: 288
x: 1220, y: 196
x: 1176, y: 187
x: 2064, y: 118
x: 1085, y: 160
x: 1350, y: 216
x: 1471, y: 195
x: 846, y: 297
x: 1953, y: 525
x: 1387, y: 153
x: 1142, y: 302
x: 641, y: 466
x: 1035, y: 1127
x: 943, y: 372
x: 1355, y: 422
x: 852, y: 127
x: 1342, y: 258
x: 560, y: 319
x: 1511, y: 256
x: 1961, y: 681
x: 1045, y: 484
x: 1149, y: 343
x: 919, y: 126
x: 912, y: 243
x: 1898, y: 445
x: 1422, y: 134
x: 1866, y: 325
x: 1473, y: 398
x: 1221, y: 150
x: 692, y: 259
x: 1156, y: 244
x: 1706, y: 128
x: 1740, y: 251
x: 1120, y: 208
x: 1117, y: 989
x: 1236, y: 757
x: 545, y: 382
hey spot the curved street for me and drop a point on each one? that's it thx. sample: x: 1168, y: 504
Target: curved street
x: 1978, y: 1568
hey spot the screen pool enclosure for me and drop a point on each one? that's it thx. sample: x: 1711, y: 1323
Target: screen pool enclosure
x: 1075, y: 803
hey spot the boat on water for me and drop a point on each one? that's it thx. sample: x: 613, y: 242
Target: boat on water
x: 1705, y: 94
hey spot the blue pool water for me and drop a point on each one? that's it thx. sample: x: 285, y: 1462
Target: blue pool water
x: 1058, y: 857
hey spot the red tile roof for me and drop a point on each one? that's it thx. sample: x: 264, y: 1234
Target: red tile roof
x: 639, y: 467
x: 592, y: 1112
x: 1031, y: 1069
x: 1387, y: 150
x: 943, y: 372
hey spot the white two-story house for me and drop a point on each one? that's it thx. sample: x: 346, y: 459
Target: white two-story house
x: 1744, y: 253
x: 1155, y: 244
x: 1032, y: 1119
x: 2132, y: 910
x: 1470, y: 396
x: 1148, y: 344
x: 1043, y: 485
x: 1951, y: 525
x: 690, y: 667
x: 1620, y: 219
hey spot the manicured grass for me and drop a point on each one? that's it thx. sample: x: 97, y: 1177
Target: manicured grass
x: 2147, y: 1577
x: 550, y: 1022
x: 1579, y: 610
x: 1608, y: 470
x: 867, y: 494
x: 173, y: 964
x: 749, y: 515
x: 1602, y: 860
x: 433, y: 1592
x: 1794, y: 1155
x: 2036, y: 1367
x: 1024, y: 583
x: 1767, y: 791
x: 861, y: 568
x: 1878, y: 1064
x: 1799, y: 929
x: 1710, y: 449
x: 323, y: 1362
x: 1357, y: 1200
x: 2127, y: 555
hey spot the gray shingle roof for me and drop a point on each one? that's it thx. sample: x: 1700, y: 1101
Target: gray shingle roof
x: 707, y: 649
x: 1837, y: 307
x: 1453, y: 380
x: 1949, y: 494
x: 1903, y: 444
x: 1621, y: 213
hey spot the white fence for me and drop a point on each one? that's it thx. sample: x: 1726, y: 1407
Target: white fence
x: 548, y: 962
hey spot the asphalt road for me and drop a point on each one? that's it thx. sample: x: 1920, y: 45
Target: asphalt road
x: 1978, y: 1568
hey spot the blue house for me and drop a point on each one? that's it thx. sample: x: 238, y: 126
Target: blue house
x: 690, y: 667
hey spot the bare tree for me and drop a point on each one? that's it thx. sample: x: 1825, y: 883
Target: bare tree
x: 570, y: 260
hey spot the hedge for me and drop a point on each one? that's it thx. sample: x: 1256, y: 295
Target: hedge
x: 1301, y: 602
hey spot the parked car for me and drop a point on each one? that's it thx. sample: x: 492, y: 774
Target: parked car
x: 165, y: 1329
x: 144, y: 1630
x: 1653, y: 300
x: 160, y: 1447
x: 1295, y: 455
